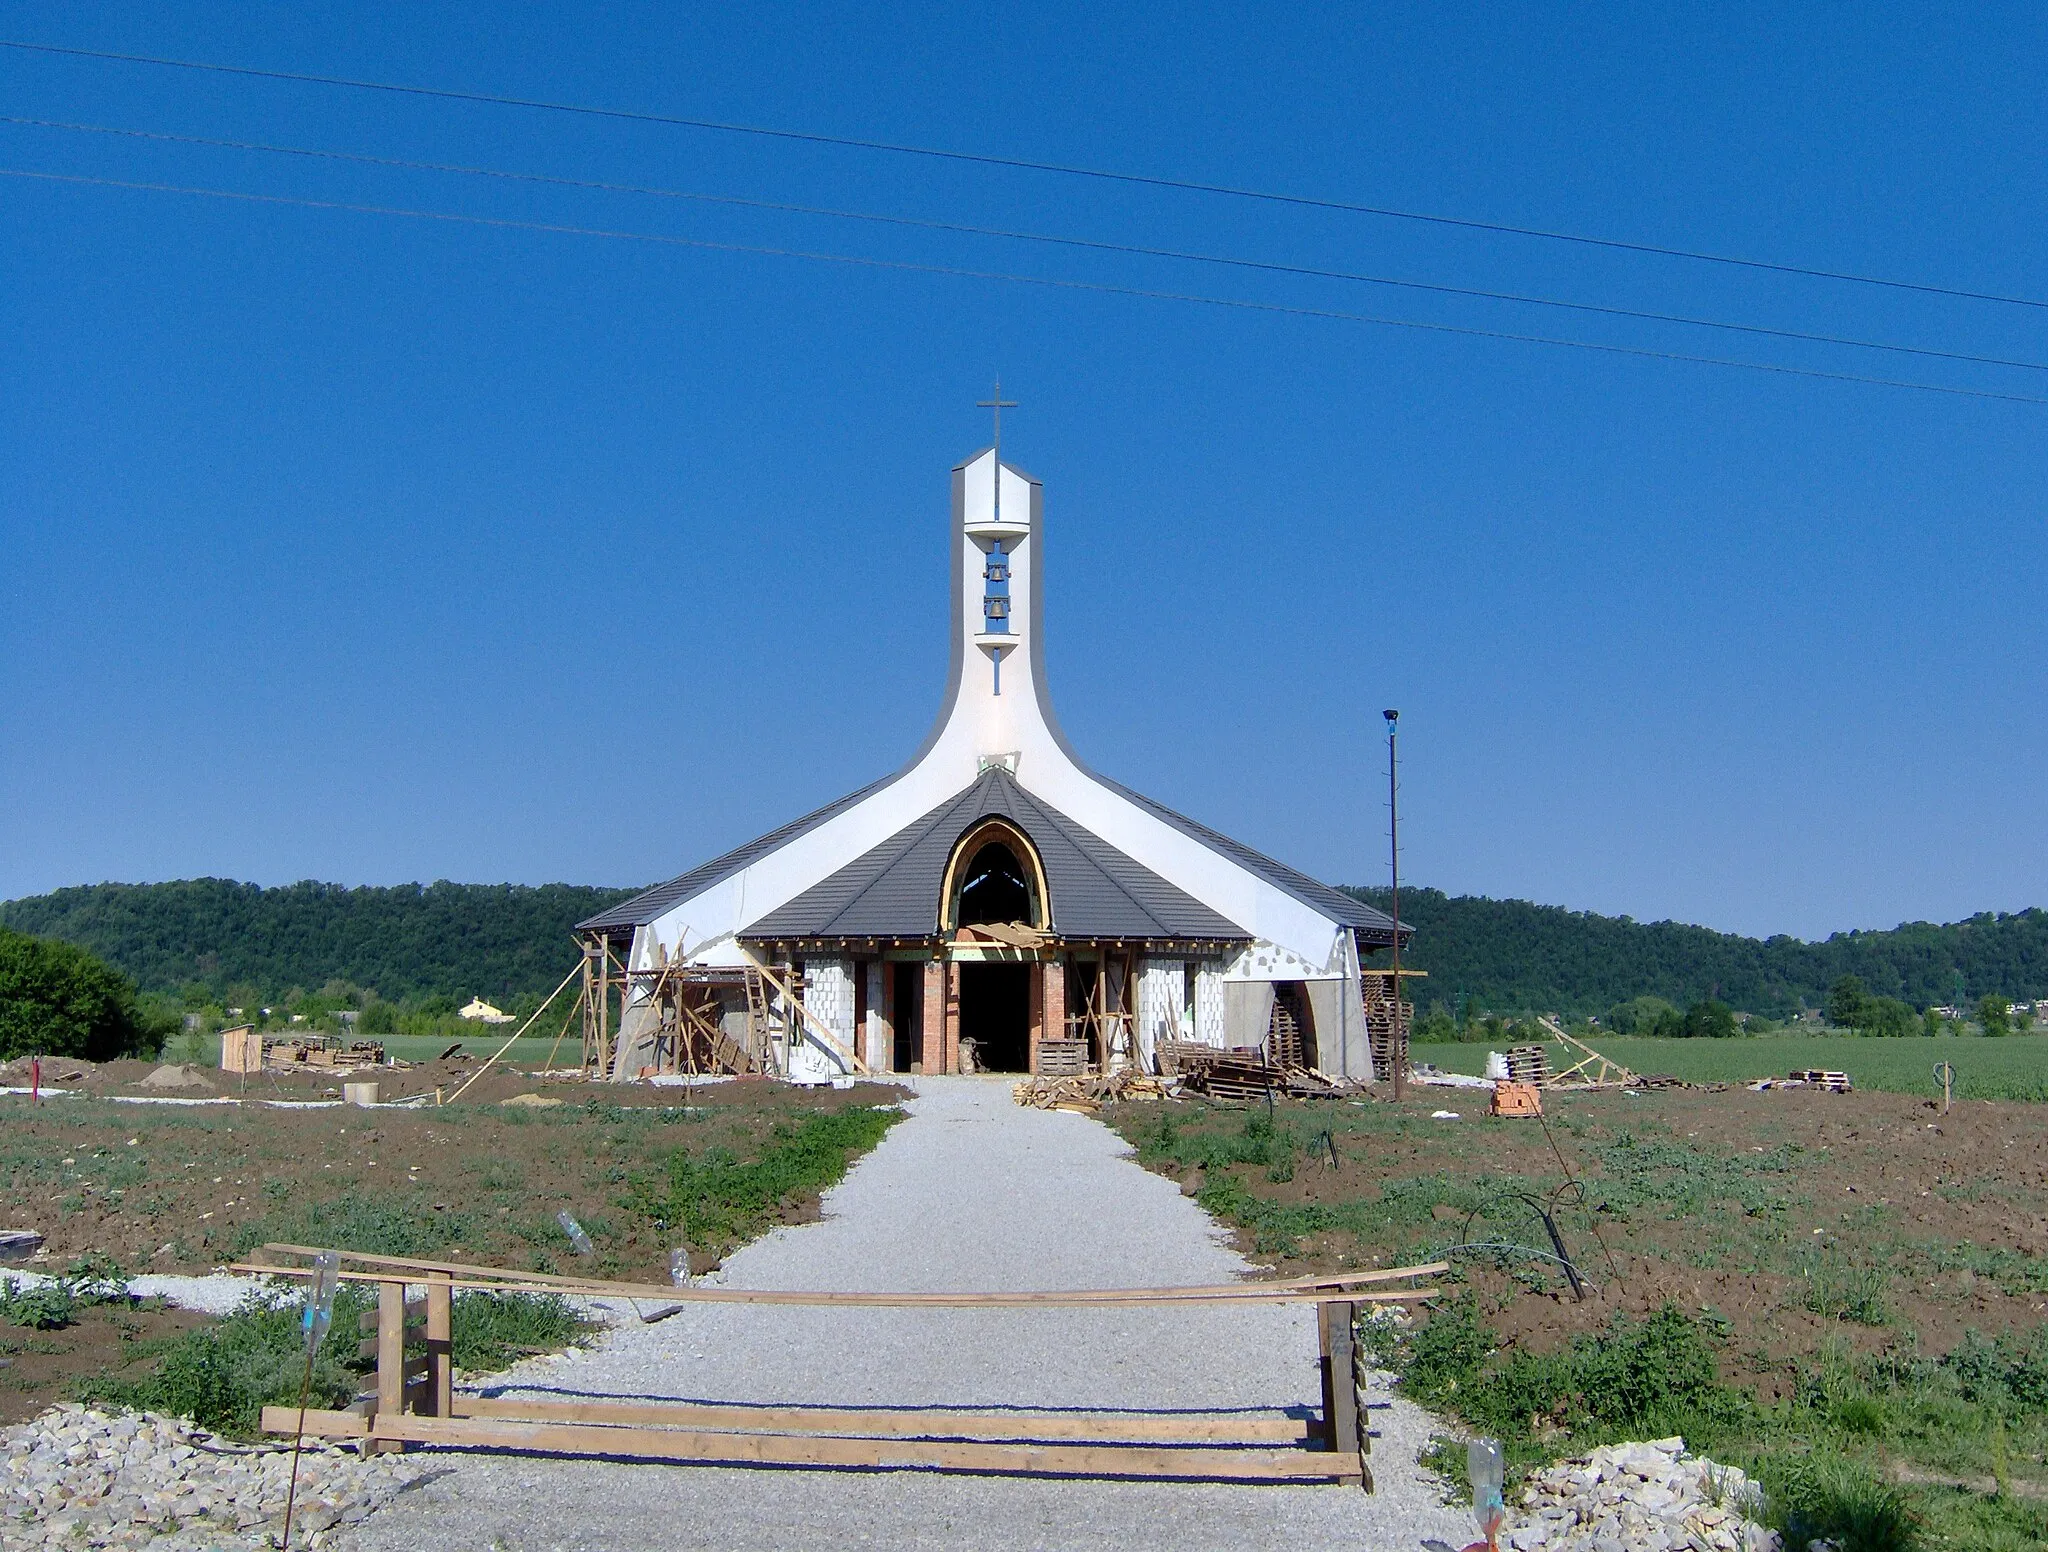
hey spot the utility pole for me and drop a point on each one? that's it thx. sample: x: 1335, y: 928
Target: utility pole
x: 1397, y: 1036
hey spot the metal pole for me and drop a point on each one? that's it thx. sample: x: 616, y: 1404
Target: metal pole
x: 1397, y: 1035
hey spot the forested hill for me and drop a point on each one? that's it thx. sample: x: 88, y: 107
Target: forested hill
x: 457, y: 940
x: 1510, y: 956
x: 508, y: 940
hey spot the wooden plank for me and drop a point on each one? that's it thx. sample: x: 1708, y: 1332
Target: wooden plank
x: 319, y: 1424
x: 440, y: 1345
x: 1197, y: 1465
x: 1152, y: 1428
x: 1247, y: 1293
x: 390, y: 1349
x: 1340, y: 1385
x: 460, y: 1271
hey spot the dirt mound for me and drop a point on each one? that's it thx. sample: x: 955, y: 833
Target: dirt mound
x: 176, y: 1075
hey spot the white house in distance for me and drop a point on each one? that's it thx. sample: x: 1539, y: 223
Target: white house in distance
x: 994, y: 905
x: 478, y: 1011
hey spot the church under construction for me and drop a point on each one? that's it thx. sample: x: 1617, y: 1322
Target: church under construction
x: 994, y: 906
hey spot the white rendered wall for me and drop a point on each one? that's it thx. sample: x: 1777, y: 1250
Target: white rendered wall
x: 876, y: 1052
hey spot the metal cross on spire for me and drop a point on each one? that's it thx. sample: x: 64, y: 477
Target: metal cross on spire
x: 998, y: 404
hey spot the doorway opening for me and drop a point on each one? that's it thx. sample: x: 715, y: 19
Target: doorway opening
x: 993, y: 888
x: 995, y: 1014
x: 908, y: 1007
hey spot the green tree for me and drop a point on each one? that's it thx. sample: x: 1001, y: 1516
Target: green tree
x: 1931, y: 1023
x: 1889, y: 1017
x: 58, y: 1000
x: 1436, y: 1025
x: 1641, y: 1016
x: 1709, y: 1020
x: 1994, y: 1014
x: 1848, y: 1003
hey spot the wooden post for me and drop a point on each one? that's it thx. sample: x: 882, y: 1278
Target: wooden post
x: 390, y: 1356
x: 1343, y: 1423
x: 440, y: 1345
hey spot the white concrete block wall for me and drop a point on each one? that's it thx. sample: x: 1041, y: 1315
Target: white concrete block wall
x: 1161, y: 990
x: 828, y: 998
x: 1209, y: 1001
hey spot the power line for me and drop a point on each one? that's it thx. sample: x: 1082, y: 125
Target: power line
x: 1097, y: 287
x: 1095, y: 245
x: 1022, y: 164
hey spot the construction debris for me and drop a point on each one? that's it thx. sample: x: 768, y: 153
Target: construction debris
x: 1246, y: 1074
x: 1086, y: 1093
x: 1808, y: 1078
x: 1591, y: 1071
x: 1516, y: 1099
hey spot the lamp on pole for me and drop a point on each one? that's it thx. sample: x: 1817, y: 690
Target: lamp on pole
x: 1397, y: 1034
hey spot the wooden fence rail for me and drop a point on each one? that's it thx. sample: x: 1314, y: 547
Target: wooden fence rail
x: 414, y: 1400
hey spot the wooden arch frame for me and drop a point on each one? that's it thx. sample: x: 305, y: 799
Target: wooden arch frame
x: 979, y: 834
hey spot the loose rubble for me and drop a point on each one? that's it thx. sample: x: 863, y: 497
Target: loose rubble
x: 78, y: 1477
x: 1639, y: 1498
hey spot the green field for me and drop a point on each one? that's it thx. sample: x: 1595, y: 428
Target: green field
x: 2012, y: 1068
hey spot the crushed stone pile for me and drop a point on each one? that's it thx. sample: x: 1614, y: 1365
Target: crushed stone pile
x: 79, y: 1477
x: 1639, y: 1498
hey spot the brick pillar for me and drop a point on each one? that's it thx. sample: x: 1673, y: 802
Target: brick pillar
x: 1052, y: 977
x: 952, y: 1018
x: 932, y: 1038
x: 1037, y: 1028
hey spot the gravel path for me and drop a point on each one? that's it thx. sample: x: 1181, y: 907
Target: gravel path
x: 971, y: 1192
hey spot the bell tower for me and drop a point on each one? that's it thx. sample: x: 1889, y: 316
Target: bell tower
x: 996, y: 710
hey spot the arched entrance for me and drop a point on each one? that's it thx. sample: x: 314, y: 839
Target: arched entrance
x: 995, y: 879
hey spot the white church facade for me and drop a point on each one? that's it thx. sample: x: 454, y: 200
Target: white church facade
x: 995, y: 905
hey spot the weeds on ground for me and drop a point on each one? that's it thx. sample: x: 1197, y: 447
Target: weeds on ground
x: 717, y: 1200
x: 54, y: 1305
x: 1839, y: 1290
x: 223, y: 1374
x: 375, y: 1223
x: 1825, y: 1457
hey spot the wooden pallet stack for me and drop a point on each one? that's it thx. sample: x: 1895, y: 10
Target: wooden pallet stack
x: 1087, y: 1092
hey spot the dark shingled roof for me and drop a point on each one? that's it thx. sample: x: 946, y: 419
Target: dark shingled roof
x: 1372, y: 925
x: 650, y: 903
x: 893, y: 891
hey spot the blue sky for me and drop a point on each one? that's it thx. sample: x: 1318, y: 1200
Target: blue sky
x: 373, y: 549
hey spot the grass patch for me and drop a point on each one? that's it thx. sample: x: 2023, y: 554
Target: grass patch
x: 373, y: 1223
x: 1646, y: 1379
x: 224, y: 1374
x: 716, y: 1200
x: 1823, y: 1456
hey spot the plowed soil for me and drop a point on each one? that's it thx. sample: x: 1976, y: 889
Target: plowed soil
x: 188, y: 1187
x: 1791, y: 1217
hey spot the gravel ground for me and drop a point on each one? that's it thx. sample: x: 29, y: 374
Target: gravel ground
x: 971, y: 1192
x: 218, y: 1293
